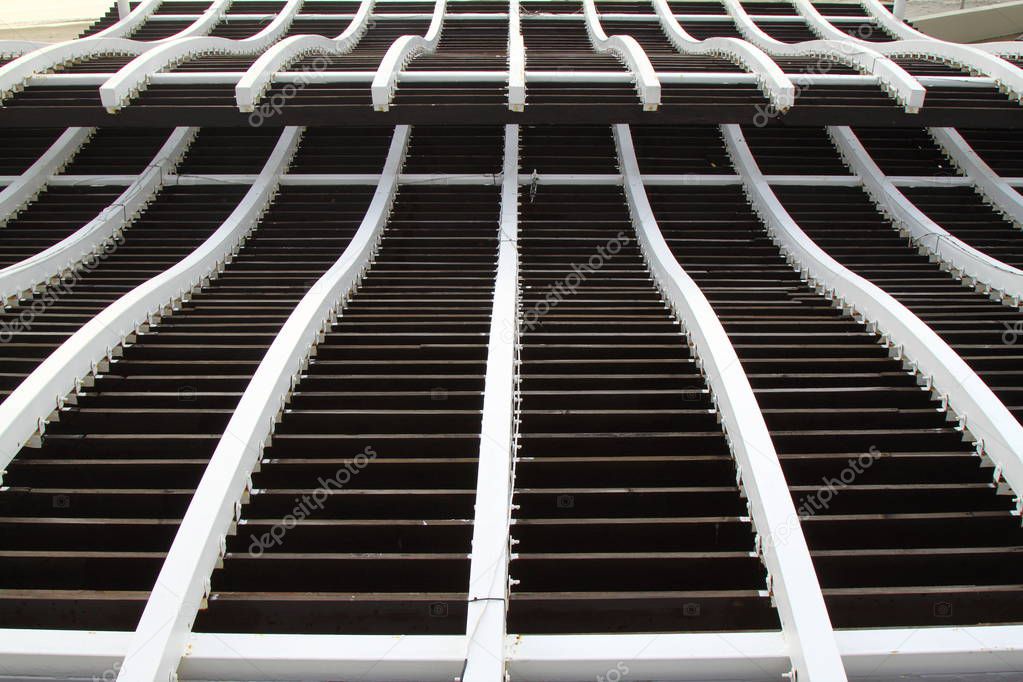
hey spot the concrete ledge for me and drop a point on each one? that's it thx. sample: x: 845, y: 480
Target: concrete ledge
x: 991, y: 22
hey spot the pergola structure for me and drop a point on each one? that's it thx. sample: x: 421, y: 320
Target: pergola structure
x: 505, y: 339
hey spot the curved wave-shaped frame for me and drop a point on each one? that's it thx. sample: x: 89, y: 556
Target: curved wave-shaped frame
x: 134, y: 77
x: 14, y: 75
x: 629, y: 52
x: 400, y: 53
x: 1007, y: 76
x: 895, y: 80
x: 254, y: 83
x: 772, y: 81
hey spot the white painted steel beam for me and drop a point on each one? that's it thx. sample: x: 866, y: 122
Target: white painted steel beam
x: 912, y: 43
x: 958, y: 256
x: 703, y: 657
x: 324, y: 658
x: 29, y: 184
x: 23, y: 413
x: 994, y: 189
x: 628, y: 51
x: 327, y: 76
x: 9, y: 49
x: 997, y: 433
x: 895, y: 80
x: 162, y: 634
x: 134, y: 76
x: 491, y: 540
x: 778, y: 88
x: 638, y: 18
x: 92, y: 239
x: 400, y: 53
x: 791, y: 576
x: 516, y: 59
x: 966, y: 654
x: 337, y: 179
x: 253, y: 84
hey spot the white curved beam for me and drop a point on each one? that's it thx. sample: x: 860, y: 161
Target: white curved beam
x: 896, y: 81
x: 14, y: 75
x: 162, y: 633
x: 24, y: 412
x: 134, y: 76
x: 516, y: 59
x: 998, y: 434
x: 1002, y: 48
x: 628, y: 51
x: 253, y: 84
x: 62, y: 257
x: 29, y: 184
x: 796, y: 590
x: 986, y: 182
x: 1007, y: 76
x: 9, y: 49
x: 778, y: 88
x: 491, y: 541
x: 953, y: 252
x: 400, y: 53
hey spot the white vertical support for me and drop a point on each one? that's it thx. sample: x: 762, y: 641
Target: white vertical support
x: 997, y: 433
x: 986, y: 182
x: 516, y: 59
x: 183, y: 583
x: 29, y: 184
x: 899, y: 10
x: 123, y: 9
x: 491, y: 541
x: 956, y: 254
x: 805, y: 623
